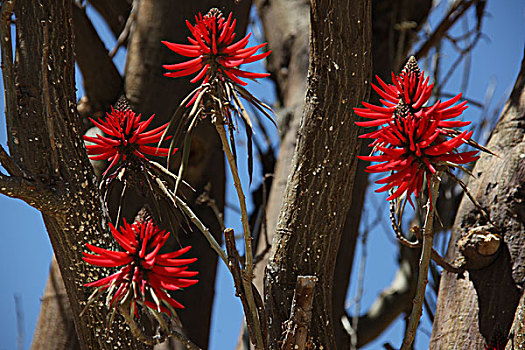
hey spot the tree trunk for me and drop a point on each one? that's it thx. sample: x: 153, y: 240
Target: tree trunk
x: 286, y: 26
x: 480, y: 309
x: 323, y: 168
x: 45, y: 141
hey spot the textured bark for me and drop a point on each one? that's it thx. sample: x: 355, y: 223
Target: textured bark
x: 286, y: 25
x: 103, y: 85
x: 150, y: 92
x: 323, y: 168
x: 481, y: 308
x: 44, y: 139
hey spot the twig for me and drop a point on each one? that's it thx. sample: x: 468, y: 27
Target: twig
x: 213, y: 242
x: 437, y: 258
x: 417, y: 244
x: 472, y: 199
x: 359, y: 293
x: 177, y: 202
x: 124, y: 35
x: 9, y: 164
x: 397, y: 229
x: 428, y: 235
x: 205, y: 198
x: 248, y: 270
x: 297, y: 326
x: 19, y: 322
x: 240, y: 194
x: 456, y: 11
x: 240, y: 290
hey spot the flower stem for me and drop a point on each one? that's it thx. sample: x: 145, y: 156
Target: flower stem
x: 205, y: 231
x: 428, y: 236
x: 242, y: 200
x: 248, y: 270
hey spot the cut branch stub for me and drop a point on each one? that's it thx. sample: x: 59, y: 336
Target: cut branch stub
x: 296, y: 333
x: 479, y: 248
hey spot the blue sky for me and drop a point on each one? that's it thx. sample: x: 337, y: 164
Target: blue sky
x: 25, y: 251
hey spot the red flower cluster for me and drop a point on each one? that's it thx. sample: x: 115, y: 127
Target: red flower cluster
x: 125, y: 136
x: 414, y: 140
x: 146, y: 274
x: 213, y: 50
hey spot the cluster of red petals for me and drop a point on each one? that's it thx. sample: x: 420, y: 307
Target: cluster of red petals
x: 213, y: 51
x: 125, y: 135
x: 414, y: 140
x: 145, y: 275
x: 414, y: 91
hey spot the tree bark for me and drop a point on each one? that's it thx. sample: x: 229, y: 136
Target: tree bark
x: 323, y: 168
x: 286, y: 27
x: 480, y: 310
x: 150, y: 93
x: 45, y: 141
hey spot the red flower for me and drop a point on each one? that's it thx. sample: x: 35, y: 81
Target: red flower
x: 212, y: 50
x: 417, y: 140
x: 125, y: 136
x: 145, y: 274
x: 413, y: 89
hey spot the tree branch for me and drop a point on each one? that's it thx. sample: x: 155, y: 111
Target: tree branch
x: 428, y: 236
x: 9, y: 164
x: 250, y: 310
x: 115, y: 12
x: 102, y: 81
x: 45, y: 139
x: 36, y: 195
x: 317, y: 194
x: 455, y: 12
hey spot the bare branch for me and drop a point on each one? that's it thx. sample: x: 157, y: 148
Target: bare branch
x: 455, y: 12
x: 102, y: 81
x: 36, y: 195
x: 9, y: 164
x: 115, y: 12
x: 126, y: 32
